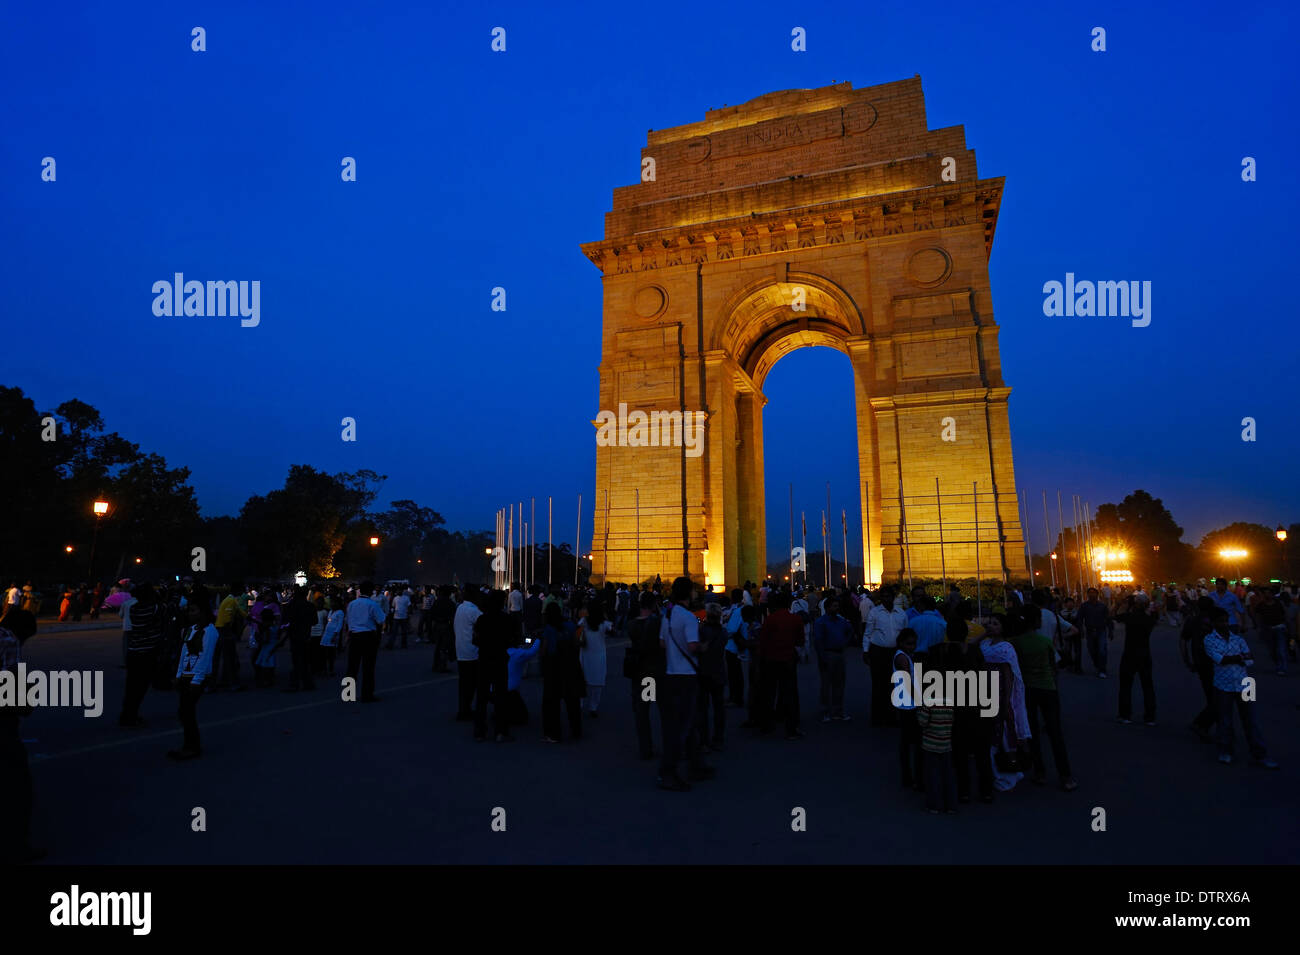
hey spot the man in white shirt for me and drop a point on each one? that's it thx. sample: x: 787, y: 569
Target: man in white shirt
x: 879, y: 641
x: 365, y: 620
x: 124, y: 611
x: 515, y: 607
x: 681, y: 642
x: 401, y: 616
x: 466, y: 653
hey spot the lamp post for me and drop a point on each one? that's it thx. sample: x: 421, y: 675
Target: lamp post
x: 1280, y: 534
x: 100, y: 508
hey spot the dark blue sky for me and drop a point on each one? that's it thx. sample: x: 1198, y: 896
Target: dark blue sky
x: 478, y: 169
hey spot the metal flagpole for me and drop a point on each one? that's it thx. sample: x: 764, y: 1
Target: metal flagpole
x: 825, y: 570
x: 826, y: 535
x: 803, y: 542
x: 1047, y: 529
x: 791, y: 516
x: 1065, y: 551
x: 578, y: 554
x: 1086, y: 519
x: 532, y: 543
x: 1085, y: 570
x: 943, y: 560
x: 604, y: 570
x: 638, y: 536
x: 979, y: 585
x: 844, y: 528
x: 550, y: 539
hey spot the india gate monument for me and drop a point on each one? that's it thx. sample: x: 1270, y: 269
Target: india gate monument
x: 831, y: 217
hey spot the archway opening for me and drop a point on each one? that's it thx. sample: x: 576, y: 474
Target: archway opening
x: 810, y: 440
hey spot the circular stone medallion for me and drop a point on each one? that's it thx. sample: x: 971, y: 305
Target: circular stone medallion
x: 929, y: 267
x: 649, y: 301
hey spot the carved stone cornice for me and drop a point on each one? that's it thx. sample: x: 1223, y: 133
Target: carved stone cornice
x: 786, y: 231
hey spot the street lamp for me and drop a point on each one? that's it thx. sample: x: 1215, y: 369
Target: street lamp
x: 100, y: 508
x: 68, y: 549
x: 374, y: 542
x: 1280, y: 534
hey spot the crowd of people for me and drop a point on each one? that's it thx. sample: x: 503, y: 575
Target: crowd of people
x: 692, y: 655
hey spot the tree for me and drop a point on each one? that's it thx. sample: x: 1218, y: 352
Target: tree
x: 1142, y: 525
x: 304, y: 524
x: 1263, y: 553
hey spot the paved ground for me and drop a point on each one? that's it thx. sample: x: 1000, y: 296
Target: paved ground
x: 306, y: 778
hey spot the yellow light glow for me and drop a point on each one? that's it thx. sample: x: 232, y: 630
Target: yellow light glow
x: 374, y: 542
x: 101, y: 508
x: 1232, y: 552
x: 68, y: 548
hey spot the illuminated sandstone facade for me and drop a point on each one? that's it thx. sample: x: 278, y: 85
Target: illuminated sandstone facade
x: 828, y: 217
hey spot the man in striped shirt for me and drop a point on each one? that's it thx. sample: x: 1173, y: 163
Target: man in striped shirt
x: 144, y: 642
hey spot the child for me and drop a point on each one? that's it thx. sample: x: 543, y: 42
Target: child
x: 515, y: 667
x: 264, y: 663
x: 329, y: 641
x: 909, y: 742
x: 195, y: 665
x: 1231, y: 656
x: 936, y: 722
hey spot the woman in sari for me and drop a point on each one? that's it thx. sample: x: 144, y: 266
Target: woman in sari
x: 1011, y: 734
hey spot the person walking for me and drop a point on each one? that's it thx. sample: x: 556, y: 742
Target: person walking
x: 592, y: 635
x: 713, y: 681
x: 1231, y: 656
x: 197, y: 653
x: 330, y: 637
x: 466, y: 653
x: 779, y: 643
x: 1139, y: 619
x: 644, y: 666
x: 401, y: 620
x: 229, y: 624
x: 831, y: 635
x: 884, y: 623
x: 494, y: 634
x: 1191, y: 647
x: 679, y: 638
x: 364, y: 622
x: 144, y: 642
x: 300, y: 617
x: 1270, y: 615
x: 561, y: 675
x: 1036, y: 651
x: 1093, y: 618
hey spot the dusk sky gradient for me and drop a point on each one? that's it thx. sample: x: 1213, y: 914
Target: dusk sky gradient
x: 478, y: 169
